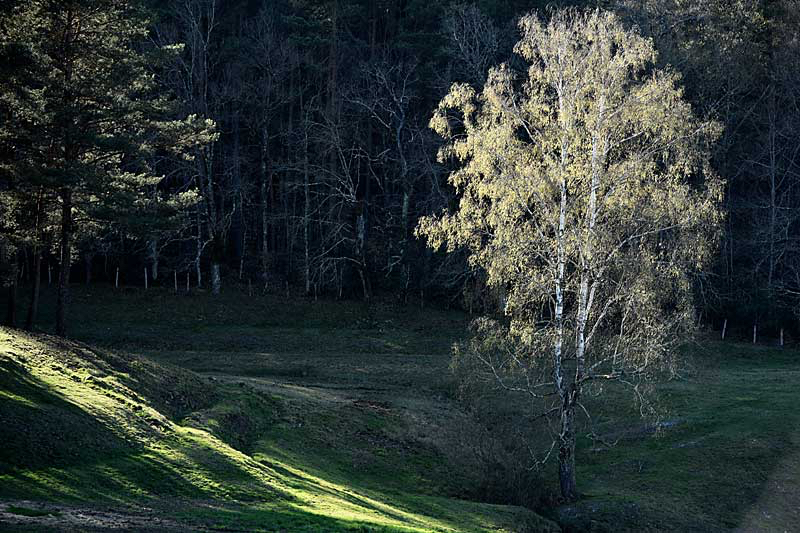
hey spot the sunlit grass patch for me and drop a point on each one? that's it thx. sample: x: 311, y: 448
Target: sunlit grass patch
x: 94, y: 431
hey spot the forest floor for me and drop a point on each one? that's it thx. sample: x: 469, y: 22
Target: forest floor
x: 237, y: 413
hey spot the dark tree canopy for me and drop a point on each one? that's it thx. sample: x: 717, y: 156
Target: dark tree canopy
x: 323, y: 161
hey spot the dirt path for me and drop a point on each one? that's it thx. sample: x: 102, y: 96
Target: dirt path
x: 17, y: 516
x: 778, y: 508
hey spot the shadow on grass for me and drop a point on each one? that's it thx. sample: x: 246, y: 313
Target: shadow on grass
x: 350, y: 495
x: 256, y: 518
x: 42, y: 429
x: 53, y: 449
x: 736, y: 429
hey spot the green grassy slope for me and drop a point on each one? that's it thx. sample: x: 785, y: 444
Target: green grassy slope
x: 729, y: 460
x: 239, y: 447
x: 249, y: 413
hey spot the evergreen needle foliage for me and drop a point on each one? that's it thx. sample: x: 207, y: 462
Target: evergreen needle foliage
x: 85, y: 119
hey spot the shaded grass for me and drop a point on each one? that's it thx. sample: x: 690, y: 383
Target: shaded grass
x: 92, y: 426
x: 733, y: 428
x: 234, y: 322
x: 25, y: 511
x: 322, y: 416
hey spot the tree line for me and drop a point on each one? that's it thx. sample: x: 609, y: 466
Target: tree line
x: 285, y: 145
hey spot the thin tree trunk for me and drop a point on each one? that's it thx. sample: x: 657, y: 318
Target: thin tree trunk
x: 566, y: 455
x: 264, y: 231
x: 199, y: 251
x: 585, y: 294
x: 306, y: 214
x: 216, y: 281
x: 11, y: 309
x: 243, y: 243
x: 772, y: 200
x: 364, y: 218
x: 87, y: 266
x: 152, y: 252
x: 266, y: 182
x: 217, y: 258
x: 237, y: 220
x: 566, y: 448
x: 33, y: 308
x: 772, y: 133
x: 66, y: 259
x: 362, y: 255
x: 404, y: 217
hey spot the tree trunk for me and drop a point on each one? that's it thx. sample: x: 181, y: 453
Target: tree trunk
x: 772, y: 117
x: 333, y: 70
x: 404, y: 217
x: 406, y: 267
x: 87, y: 265
x: 362, y: 255
x: 566, y: 450
x: 11, y: 310
x: 243, y: 242
x: 237, y: 220
x: 199, y: 251
x: 217, y: 258
x: 33, y: 308
x: 266, y: 182
x: 152, y: 252
x: 264, y: 231
x: 306, y: 215
x: 566, y: 455
x: 364, y: 219
x: 66, y: 260
x: 216, y: 281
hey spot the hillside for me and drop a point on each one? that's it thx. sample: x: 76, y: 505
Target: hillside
x: 260, y: 413
x: 100, y: 438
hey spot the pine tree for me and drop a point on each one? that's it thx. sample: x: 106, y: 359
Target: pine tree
x: 87, y: 121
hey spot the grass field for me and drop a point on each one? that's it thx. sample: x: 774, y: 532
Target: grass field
x: 237, y: 413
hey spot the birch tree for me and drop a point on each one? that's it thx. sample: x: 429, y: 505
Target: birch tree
x: 586, y: 197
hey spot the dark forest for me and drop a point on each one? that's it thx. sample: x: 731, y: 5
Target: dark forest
x: 558, y: 223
